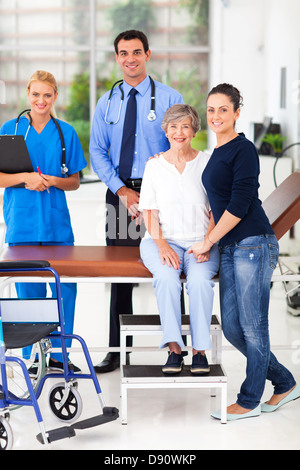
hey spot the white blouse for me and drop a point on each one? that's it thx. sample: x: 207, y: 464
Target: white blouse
x: 180, y: 198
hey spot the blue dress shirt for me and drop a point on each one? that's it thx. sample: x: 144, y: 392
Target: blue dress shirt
x: 105, y: 142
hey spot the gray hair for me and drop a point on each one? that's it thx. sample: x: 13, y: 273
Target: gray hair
x: 178, y: 112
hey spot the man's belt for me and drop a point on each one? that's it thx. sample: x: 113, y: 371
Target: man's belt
x: 134, y: 183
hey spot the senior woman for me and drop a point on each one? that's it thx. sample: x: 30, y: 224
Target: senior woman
x: 176, y: 213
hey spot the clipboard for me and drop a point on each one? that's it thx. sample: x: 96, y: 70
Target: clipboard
x: 14, y: 156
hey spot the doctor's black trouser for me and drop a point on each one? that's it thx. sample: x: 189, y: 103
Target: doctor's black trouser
x: 120, y: 231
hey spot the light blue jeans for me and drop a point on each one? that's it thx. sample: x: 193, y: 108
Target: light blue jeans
x: 246, y: 270
x: 167, y: 284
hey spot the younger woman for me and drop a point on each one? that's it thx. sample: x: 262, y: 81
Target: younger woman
x: 248, y: 255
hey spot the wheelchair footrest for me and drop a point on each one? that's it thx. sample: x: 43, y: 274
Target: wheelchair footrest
x: 57, y: 434
x: 109, y: 414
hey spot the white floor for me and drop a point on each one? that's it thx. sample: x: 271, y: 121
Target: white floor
x: 165, y: 419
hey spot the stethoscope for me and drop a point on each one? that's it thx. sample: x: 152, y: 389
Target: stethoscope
x: 64, y: 169
x: 151, y: 116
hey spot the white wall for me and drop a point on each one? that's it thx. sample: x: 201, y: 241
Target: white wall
x: 251, y: 40
x: 282, y: 49
x: 237, y: 56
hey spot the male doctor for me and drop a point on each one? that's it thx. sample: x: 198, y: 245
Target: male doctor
x: 124, y: 136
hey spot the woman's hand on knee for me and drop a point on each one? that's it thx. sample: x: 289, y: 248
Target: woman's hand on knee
x: 168, y: 255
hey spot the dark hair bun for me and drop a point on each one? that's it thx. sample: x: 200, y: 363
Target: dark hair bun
x: 229, y: 90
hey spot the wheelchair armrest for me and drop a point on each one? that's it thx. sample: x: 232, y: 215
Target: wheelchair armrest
x: 24, y: 264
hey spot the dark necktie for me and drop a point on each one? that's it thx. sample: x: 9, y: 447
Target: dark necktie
x: 127, y: 146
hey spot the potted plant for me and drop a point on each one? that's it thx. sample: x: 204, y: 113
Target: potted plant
x: 275, y: 141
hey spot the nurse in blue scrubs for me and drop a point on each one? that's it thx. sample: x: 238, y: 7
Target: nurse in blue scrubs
x: 38, y: 213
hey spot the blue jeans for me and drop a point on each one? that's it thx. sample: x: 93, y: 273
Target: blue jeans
x: 246, y: 270
x: 200, y: 289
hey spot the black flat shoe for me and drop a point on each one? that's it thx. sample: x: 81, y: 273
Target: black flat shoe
x: 174, y: 364
x: 58, y: 366
x: 199, y: 365
x: 110, y: 362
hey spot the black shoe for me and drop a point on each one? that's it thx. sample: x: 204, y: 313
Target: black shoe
x: 33, y: 370
x: 58, y: 366
x: 110, y: 362
x: 174, y: 364
x: 199, y: 365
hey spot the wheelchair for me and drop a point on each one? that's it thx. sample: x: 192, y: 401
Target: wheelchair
x: 26, y: 322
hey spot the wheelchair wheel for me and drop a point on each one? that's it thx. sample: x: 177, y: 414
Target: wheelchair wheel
x: 6, y: 435
x: 35, y: 366
x: 65, y: 402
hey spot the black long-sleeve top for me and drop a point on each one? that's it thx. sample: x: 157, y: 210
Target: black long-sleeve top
x: 231, y: 181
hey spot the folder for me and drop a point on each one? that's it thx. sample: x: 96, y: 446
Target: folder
x: 14, y: 156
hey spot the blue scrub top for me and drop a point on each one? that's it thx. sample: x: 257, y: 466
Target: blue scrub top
x: 33, y: 216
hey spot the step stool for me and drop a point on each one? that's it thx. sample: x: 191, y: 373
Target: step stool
x: 151, y: 376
